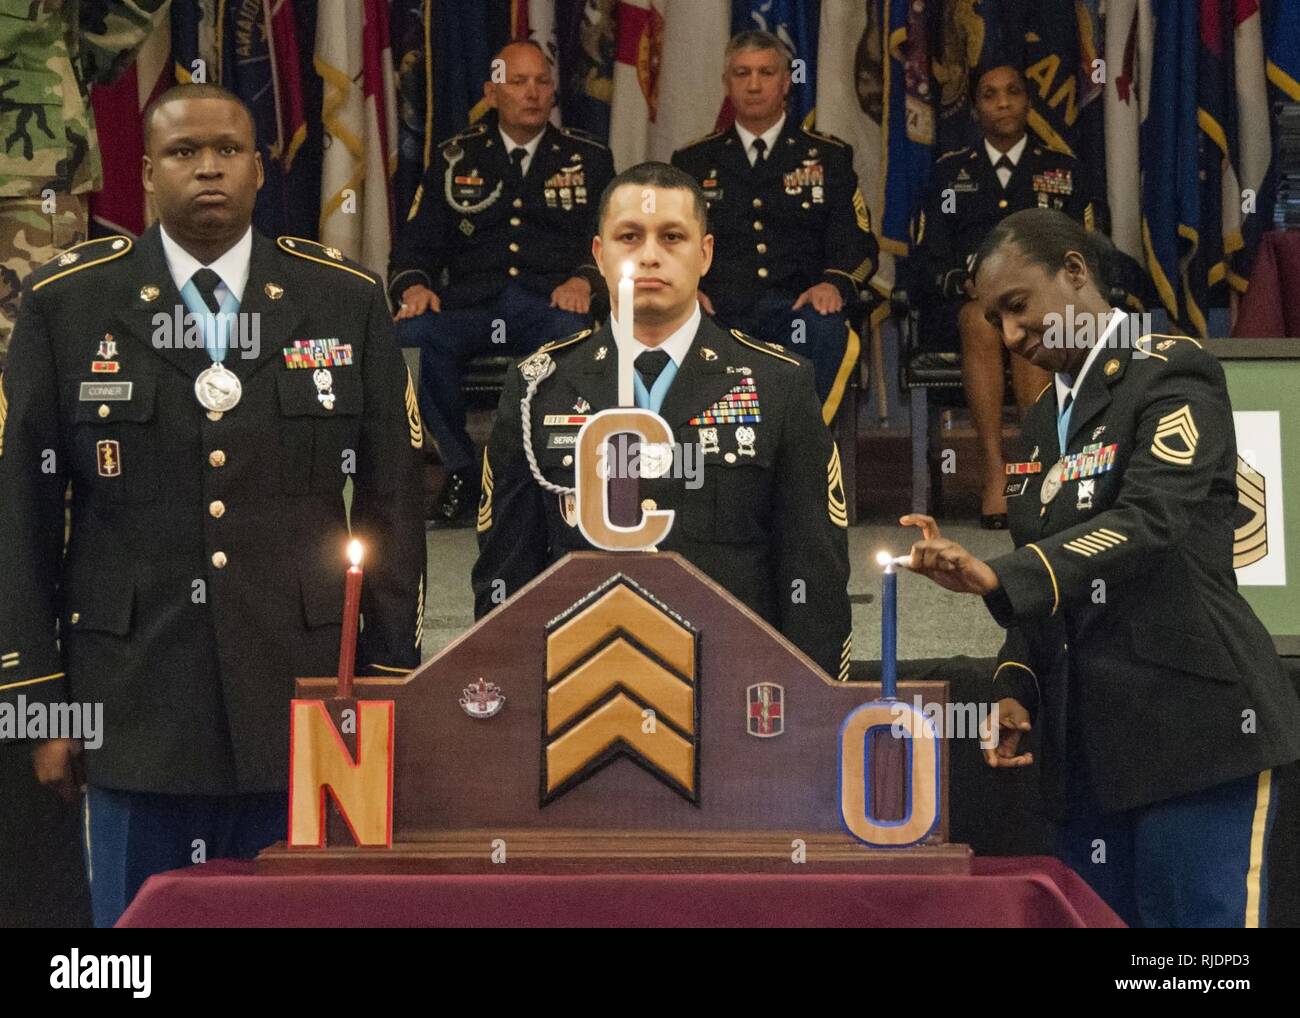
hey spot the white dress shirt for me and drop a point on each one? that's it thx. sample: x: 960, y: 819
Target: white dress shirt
x: 1063, y: 382
x: 769, y: 139
x: 530, y: 149
x: 677, y: 346
x: 1013, y: 153
x: 232, y: 266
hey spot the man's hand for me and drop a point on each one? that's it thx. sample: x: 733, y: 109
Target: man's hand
x: 825, y: 298
x: 572, y: 295
x: 416, y: 300
x: 947, y: 562
x: 706, y: 305
x: 1012, y: 721
x: 53, y: 762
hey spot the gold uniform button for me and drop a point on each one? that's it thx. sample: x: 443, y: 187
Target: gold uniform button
x: 514, y: 270
x: 649, y: 505
x: 1002, y: 203
x: 567, y: 461
x: 758, y: 203
x: 758, y: 224
x: 762, y: 272
x: 217, y: 509
x: 519, y: 203
x: 104, y: 411
x: 761, y: 248
x: 515, y: 220
x: 805, y: 205
x: 730, y: 457
x: 514, y: 246
x: 219, y: 559
x: 215, y: 415
x: 76, y: 617
x: 217, y: 458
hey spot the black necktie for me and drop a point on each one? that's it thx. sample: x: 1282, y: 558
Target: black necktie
x: 650, y: 365
x: 517, y: 157
x: 760, y: 152
x: 1004, y: 163
x: 206, y: 282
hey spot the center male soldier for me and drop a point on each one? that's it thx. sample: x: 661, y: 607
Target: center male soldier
x: 971, y: 191
x: 507, y: 209
x: 205, y: 560
x: 768, y: 521
x: 794, y: 242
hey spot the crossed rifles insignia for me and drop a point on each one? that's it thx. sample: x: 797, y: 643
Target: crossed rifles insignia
x: 622, y: 673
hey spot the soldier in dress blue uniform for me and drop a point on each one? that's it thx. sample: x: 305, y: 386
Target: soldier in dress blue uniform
x: 508, y: 210
x: 793, y: 235
x: 205, y: 558
x: 971, y: 191
x: 768, y: 519
x: 1160, y: 699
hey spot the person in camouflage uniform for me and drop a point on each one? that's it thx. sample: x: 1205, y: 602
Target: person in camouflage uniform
x: 51, y: 52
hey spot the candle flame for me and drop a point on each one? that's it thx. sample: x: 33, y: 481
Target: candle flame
x: 354, y: 552
x: 628, y: 269
x: 884, y: 558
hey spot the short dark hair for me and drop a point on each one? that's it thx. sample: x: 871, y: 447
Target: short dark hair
x: 193, y: 90
x: 1043, y: 237
x: 977, y: 75
x: 652, y: 174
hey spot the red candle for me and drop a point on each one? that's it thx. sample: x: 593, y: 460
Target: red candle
x: 351, y: 619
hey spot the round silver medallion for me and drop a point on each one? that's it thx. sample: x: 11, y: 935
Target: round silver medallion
x: 218, y: 389
x: 1051, y: 482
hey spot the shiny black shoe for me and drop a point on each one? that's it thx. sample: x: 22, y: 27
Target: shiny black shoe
x: 457, y: 504
x: 994, y: 521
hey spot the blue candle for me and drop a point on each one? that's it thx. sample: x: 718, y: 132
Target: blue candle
x: 889, y: 635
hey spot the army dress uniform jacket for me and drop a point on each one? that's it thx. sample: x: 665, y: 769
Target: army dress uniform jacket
x: 761, y: 520
x: 794, y: 220
x: 1127, y: 637
x: 205, y: 559
x: 966, y: 200
x: 469, y: 216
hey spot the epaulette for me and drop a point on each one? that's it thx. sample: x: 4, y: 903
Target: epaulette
x: 1157, y: 344
x: 312, y: 251
x: 702, y: 140
x: 559, y: 344
x: 578, y: 134
x: 473, y: 131
x: 80, y: 256
x: 771, y: 349
x: 953, y: 152
x: 824, y: 137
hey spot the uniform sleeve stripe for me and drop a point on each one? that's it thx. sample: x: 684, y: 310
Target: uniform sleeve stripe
x: 32, y: 682
x: 1056, y: 590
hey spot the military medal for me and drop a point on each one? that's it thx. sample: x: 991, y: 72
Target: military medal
x: 482, y: 699
x: 324, y: 387
x: 218, y: 389
x: 708, y: 441
x: 745, y: 438
x: 1051, y: 482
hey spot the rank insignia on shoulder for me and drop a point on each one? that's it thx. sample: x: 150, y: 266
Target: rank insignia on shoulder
x: 765, y: 710
x: 1176, y: 437
x: 482, y: 700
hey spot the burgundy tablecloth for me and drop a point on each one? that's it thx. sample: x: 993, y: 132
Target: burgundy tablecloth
x: 1030, y: 891
x: 1271, y: 305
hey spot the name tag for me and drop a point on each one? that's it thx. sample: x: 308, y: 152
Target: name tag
x: 562, y: 440
x: 105, y: 392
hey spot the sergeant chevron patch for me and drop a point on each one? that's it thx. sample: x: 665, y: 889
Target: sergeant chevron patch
x: 1176, y: 437
x: 419, y: 616
x: 4, y: 413
x: 485, y: 496
x: 1250, y: 538
x: 836, y: 504
x: 413, y: 422
x: 622, y: 678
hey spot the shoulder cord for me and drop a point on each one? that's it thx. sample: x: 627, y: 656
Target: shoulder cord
x: 536, y: 370
x: 452, y: 160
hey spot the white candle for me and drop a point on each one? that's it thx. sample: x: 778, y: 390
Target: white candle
x: 623, y: 336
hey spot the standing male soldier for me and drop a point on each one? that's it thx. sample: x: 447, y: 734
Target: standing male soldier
x: 794, y: 242
x: 204, y: 565
x: 508, y: 209
x: 971, y: 191
x: 768, y: 520
x: 50, y: 53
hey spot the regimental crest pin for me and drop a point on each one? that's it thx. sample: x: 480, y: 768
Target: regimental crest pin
x: 1096, y: 432
x: 765, y: 710
x: 601, y: 351
x: 482, y: 700
x: 581, y: 406
x: 107, y: 347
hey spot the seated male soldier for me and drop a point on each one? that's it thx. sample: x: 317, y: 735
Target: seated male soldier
x: 507, y: 209
x: 767, y: 519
